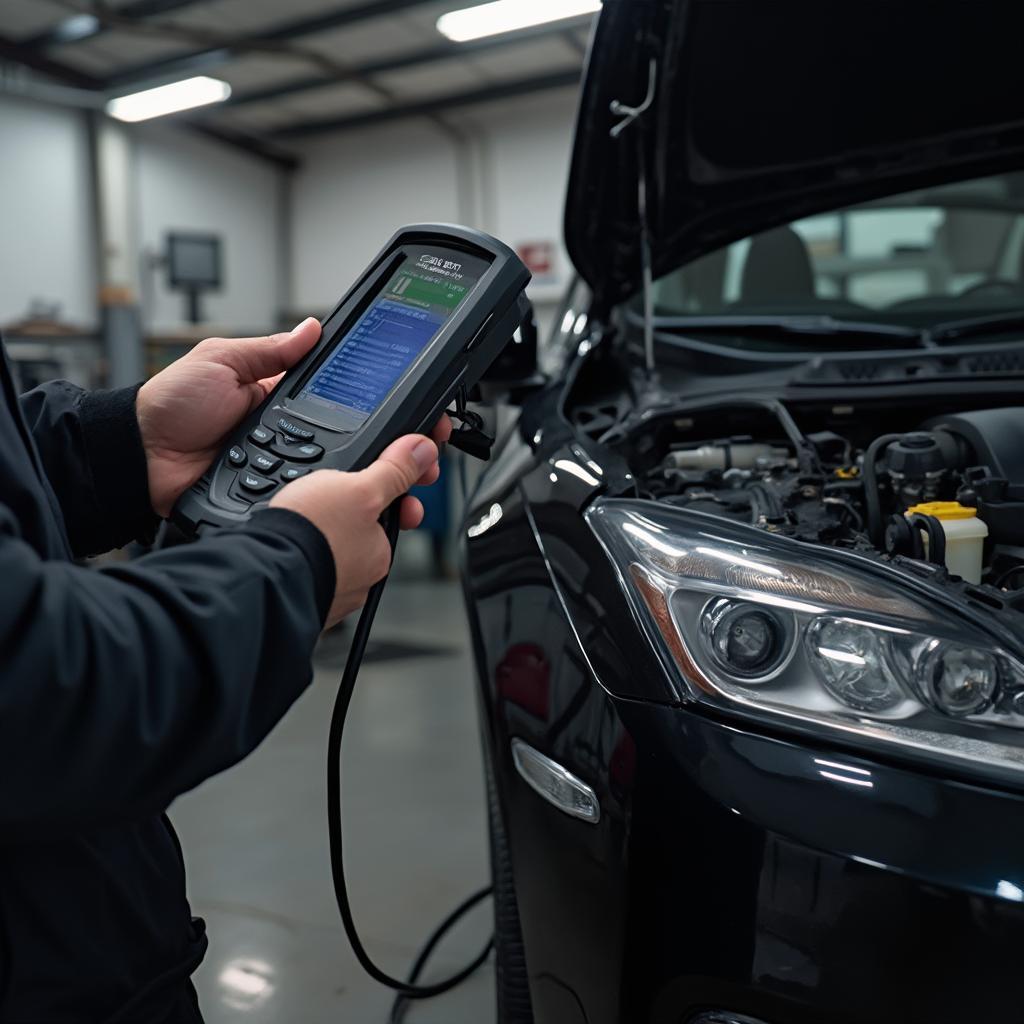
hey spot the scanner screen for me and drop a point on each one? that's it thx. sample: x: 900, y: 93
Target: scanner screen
x: 419, y: 298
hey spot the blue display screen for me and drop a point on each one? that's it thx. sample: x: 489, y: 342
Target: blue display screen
x: 416, y: 303
x: 381, y: 347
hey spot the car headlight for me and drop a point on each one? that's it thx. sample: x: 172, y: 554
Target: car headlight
x: 810, y: 638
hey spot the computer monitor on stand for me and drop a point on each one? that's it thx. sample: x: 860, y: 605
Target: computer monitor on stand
x: 193, y: 266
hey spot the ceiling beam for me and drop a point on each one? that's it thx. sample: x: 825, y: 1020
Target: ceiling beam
x: 282, y: 33
x: 574, y: 42
x: 417, y: 58
x: 435, y: 105
x: 95, y: 98
x: 78, y: 27
x: 249, y: 144
x: 13, y: 51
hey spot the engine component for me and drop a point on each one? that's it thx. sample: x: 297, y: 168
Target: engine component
x: 895, y: 495
x: 736, y: 453
x: 917, y: 467
x: 916, y: 535
x: 964, y: 534
x: 1000, y: 504
x: 987, y: 437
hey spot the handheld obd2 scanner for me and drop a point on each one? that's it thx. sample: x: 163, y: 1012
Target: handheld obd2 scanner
x: 420, y: 327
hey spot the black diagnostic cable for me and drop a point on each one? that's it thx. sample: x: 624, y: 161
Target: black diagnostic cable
x: 406, y: 989
x: 401, y: 1003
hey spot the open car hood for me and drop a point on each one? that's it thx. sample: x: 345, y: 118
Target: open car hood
x: 767, y: 111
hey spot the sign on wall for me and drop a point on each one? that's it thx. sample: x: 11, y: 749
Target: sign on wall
x: 540, y: 258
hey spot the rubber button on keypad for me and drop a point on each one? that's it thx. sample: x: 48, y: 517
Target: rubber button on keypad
x: 299, y: 452
x: 237, y: 456
x: 264, y: 463
x: 255, y: 483
x: 260, y: 435
x: 292, y: 473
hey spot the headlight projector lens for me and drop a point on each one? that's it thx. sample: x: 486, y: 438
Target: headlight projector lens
x: 747, y: 640
x: 852, y: 661
x: 959, y: 680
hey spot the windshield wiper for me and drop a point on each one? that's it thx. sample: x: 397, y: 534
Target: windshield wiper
x: 975, y: 326
x: 818, y: 326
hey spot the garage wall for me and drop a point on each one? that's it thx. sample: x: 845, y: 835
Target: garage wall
x: 353, y: 190
x: 356, y: 187
x: 530, y: 144
x: 188, y: 184
x: 46, y: 231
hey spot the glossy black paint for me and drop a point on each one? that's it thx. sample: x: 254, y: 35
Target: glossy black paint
x: 751, y: 120
x: 727, y: 871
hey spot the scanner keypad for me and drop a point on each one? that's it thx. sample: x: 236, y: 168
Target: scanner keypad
x: 292, y: 431
x: 294, y: 444
x: 261, y: 435
x: 256, y: 484
x: 308, y: 452
x: 263, y: 461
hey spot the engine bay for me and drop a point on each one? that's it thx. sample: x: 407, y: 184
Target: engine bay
x: 947, y: 491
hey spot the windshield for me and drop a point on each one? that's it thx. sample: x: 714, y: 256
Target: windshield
x: 914, y: 260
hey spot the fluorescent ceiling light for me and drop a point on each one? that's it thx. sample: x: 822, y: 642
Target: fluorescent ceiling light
x: 169, y: 99
x: 509, y: 15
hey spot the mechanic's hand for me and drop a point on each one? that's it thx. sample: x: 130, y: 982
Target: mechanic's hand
x: 345, y: 507
x: 186, y: 410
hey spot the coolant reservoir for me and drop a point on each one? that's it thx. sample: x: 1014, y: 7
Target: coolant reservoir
x: 965, y: 536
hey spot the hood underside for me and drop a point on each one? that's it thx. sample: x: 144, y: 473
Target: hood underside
x: 766, y: 111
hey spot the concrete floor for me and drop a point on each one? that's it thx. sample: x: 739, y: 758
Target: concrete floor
x: 255, y: 838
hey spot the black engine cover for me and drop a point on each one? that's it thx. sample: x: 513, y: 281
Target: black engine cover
x: 988, y: 437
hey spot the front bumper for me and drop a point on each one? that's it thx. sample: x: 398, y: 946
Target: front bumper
x: 769, y: 878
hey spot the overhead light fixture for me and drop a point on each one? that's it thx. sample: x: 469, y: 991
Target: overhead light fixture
x: 508, y: 16
x: 78, y: 26
x: 169, y: 99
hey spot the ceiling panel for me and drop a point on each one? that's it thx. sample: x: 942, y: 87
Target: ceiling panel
x: 339, y: 99
x: 583, y: 35
x: 370, y: 41
x: 523, y: 60
x: 366, y: 41
x: 109, y: 52
x: 427, y: 80
x: 423, y: 18
x: 256, y: 122
x: 253, y: 73
x: 20, y: 19
x: 246, y: 16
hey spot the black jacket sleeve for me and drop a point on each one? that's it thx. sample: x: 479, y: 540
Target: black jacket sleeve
x: 92, y: 453
x: 123, y: 687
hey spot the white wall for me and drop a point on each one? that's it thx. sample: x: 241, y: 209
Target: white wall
x: 530, y: 145
x: 47, y: 239
x: 186, y: 183
x: 357, y: 187
x: 46, y: 233
x: 353, y: 190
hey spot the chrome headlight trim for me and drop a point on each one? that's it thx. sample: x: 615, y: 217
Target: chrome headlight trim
x: 673, y: 563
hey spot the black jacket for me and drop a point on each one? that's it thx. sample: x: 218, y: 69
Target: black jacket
x: 119, y: 689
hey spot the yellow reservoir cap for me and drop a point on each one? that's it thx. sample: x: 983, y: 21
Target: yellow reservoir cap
x: 943, y: 510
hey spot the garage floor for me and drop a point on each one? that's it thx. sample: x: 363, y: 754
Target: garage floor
x: 256, y: 843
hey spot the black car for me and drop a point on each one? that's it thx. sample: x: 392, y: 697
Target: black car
x: 746, y: 578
